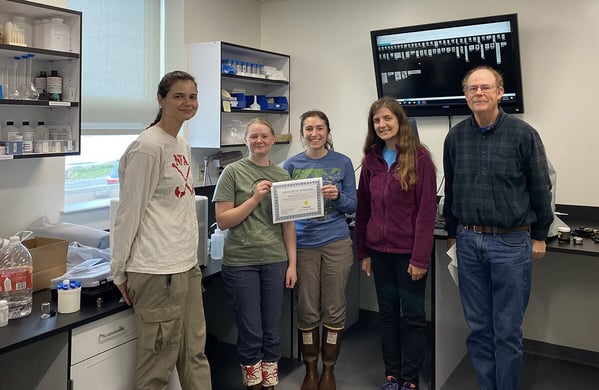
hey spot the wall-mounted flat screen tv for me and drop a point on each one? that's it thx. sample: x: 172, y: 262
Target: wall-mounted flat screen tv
x: 422, y: 66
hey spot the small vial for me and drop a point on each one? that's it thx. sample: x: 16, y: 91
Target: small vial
x: 45, y: 310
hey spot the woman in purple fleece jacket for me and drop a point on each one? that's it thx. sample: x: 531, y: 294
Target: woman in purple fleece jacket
x: 395, y: 221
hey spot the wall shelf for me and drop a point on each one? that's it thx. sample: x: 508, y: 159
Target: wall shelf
x: 212, y: 126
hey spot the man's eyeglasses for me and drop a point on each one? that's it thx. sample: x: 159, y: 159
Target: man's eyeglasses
x: 472, y: 89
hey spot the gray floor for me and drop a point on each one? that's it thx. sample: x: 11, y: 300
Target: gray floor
x: 360, y: 367
x: 538, y: 373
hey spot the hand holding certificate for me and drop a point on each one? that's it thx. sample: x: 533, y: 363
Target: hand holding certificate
x: 297, y: 199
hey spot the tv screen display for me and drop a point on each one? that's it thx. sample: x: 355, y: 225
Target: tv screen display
x: 423, y: 66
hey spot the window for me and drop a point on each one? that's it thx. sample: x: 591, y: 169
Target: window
x: 121, y: 57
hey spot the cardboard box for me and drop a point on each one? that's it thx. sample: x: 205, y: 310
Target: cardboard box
x: 283, y: 138
x: 49, y: 260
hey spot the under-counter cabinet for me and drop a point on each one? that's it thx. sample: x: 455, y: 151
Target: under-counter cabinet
x: 250, y: 75
x: 103, y: 353
x: 20, y: 63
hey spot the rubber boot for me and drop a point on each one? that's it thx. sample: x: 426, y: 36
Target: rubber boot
x: 331, y: 344
x: 310, y: 343
x: 270, y: 375
x: 252, y: 376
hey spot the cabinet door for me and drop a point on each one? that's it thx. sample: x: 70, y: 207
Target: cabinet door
x: 112, y: 369
x: 22, y: 102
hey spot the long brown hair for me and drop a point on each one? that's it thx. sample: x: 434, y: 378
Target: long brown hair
x: 165, y: 85
x: 319, y: 114
x: 407, y: 145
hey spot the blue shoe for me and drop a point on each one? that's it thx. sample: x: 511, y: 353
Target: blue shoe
x: 391, y: 384
x: 409, y: 386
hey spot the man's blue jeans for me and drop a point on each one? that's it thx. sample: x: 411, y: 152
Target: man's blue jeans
x: 494, y: 278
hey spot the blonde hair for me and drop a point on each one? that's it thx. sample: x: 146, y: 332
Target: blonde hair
x: 260, y: 121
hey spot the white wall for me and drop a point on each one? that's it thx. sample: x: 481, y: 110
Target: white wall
x: 332, y: 69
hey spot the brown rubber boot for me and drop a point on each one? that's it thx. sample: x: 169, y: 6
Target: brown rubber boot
x: 309, y: 346
x: 331, y: 344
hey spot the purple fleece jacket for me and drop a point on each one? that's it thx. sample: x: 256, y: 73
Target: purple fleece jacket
x: 391, y: 220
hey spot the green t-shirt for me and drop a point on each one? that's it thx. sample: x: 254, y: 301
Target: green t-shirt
x: 256, y: 240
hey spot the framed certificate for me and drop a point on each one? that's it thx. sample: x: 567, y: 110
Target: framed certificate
x: 297, y: 199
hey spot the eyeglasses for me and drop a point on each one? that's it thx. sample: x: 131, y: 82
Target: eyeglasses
x: 472, y: 89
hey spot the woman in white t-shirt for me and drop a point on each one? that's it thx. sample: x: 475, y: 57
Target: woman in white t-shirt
x: 154, y: 256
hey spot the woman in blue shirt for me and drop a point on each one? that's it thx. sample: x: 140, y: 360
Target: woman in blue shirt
x: 324, y: 249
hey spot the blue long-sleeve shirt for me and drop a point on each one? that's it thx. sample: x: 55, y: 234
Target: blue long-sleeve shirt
x: 497, y: 178
x: 334, y: 167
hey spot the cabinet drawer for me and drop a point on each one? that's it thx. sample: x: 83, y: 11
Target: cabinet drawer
x: 100, y: 372
x: 99, y: 336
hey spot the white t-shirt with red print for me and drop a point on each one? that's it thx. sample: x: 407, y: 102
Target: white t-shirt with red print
x: 156, y: 230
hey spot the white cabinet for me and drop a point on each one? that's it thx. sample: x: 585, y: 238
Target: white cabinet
x: 103, y: 353
x: 62, y: 117
x: 216, y: 125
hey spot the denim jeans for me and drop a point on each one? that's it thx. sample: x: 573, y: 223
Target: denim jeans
x: 403, y: 342
x: 494, y: 277
x: 255, y: 294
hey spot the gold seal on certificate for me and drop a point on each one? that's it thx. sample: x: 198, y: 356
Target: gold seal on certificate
x: 297, y: 199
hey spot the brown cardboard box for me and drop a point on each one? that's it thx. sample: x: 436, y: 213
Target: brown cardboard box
x: 49, y: 260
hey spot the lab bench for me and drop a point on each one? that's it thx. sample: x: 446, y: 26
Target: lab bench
x: 37, y: 353
x: 541, y: 328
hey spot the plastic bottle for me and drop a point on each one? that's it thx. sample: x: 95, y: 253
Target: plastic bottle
x: 9, y: 131
x: 7, y: 34
x: 57, y: 35
x: 38, y: 33
x: 25, y: 128
x: 27, y: 133
x: 26, y: 29
x: 217, y: 241
x: 16, y: 278
x: 41, y: 132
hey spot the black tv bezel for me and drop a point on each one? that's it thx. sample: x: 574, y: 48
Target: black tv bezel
x: 457, y: 108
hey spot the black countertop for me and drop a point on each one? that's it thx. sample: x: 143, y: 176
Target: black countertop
x: 26, y: 330
x: 22, y: 331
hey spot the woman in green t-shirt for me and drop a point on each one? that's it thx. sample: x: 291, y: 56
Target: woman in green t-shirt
x: 259, y: 256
